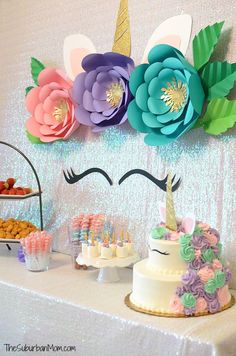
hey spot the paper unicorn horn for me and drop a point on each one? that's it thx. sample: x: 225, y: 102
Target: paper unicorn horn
x: 122, y: 42
x: 170, y: 210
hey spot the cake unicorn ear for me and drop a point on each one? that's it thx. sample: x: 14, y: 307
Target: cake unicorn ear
x: 175, y: 31
x: 162, y: 211
x: 76, y: 47
x: 188, y: 224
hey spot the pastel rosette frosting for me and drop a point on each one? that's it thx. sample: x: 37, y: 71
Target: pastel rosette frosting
x: 204, y: 226
x: 223, y: 295
x: 168, y: 96
x: 51, y: 108
x: 201, y: 305
x: 205, y: 273
x: 205, y: 283
x: 101, y: 93
x: 216, y: 264
x: 211, y: 238
x: 176, y: 305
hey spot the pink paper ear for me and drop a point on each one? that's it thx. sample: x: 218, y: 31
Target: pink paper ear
x: 188, y: 224
x: 175, y: 31
x: 76, y: 47
x: 162, y: 211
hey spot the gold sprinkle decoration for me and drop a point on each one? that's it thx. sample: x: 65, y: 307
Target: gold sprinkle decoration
x: 114, y: 94
x: 60, y: 111
x: 175, y: 95
x: 170, y: 210
x: 122, y: 41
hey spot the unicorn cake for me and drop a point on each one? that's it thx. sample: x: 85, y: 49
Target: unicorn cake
x: 185, y: 274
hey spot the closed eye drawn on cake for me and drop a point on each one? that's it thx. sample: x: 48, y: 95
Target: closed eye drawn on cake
x: 161, y: 183
x: 73, y: 178
x: 162, y: 253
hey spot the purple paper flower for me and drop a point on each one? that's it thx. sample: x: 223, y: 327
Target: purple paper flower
x: 101, y: 93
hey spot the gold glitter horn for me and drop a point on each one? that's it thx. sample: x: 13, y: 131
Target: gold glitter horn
x: 170, y: 210
x: 122, y: 42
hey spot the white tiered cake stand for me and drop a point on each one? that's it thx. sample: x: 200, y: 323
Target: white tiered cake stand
x: 108, y: 268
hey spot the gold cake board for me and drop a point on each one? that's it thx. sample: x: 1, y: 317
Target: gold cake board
x: 173, y: 315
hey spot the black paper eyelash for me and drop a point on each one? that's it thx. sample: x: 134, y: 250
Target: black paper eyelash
x: 160, y: 183
x: 72, y: 178
x: 162, y: 253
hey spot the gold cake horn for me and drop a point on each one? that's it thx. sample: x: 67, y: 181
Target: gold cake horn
x: 122, y: 42
x: 170, y: 210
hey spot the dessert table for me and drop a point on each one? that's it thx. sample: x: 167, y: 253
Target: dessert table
x: 69, y: 307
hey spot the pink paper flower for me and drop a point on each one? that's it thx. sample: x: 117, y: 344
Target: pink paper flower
x: 211, y: 238
x: 216, y: 264
x: 201, y: 305
x: 223, y: 295
x: 175, y: 305
x: 52, y: 112
x: 205, y: 273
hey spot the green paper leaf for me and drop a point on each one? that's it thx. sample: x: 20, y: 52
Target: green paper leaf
x: 204, y: 43
x: 33, y: 139
x: 36, y: 68
x: 220, y: 116
x: 218, y: 78
x: 27, y: 90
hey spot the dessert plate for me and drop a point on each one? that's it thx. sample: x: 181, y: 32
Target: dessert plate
x: 19, y: 197
x: 9, y: 241
x: 107, y: 268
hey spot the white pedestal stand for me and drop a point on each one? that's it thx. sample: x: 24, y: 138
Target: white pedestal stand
x: 108, y: 268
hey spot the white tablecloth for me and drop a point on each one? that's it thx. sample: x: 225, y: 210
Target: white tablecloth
x: 68, y: 307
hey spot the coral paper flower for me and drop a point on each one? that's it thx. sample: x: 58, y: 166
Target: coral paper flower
x: 101, y: 93
x: 168, y: 96
x: 51, y: 108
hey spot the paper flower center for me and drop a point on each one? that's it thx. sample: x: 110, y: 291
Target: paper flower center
x: 60, y: 111
x: 114, y: 94
x: 175, y: 95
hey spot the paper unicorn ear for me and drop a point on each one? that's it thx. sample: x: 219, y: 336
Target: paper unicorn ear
x: 76, y: 47
x: 162, y: 211
x: 188, y: 224
x: 175, y: 31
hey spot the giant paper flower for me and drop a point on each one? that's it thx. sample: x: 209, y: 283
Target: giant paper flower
x: 101, y: 93
x: 168, y: 96
x: 51, y: 108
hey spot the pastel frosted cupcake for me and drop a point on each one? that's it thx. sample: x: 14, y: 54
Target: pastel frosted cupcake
x: 106, y: 251
x: 121, y: 250
x: 92, y: 250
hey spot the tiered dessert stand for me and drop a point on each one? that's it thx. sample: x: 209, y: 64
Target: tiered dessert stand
x: 37, y: 193
x: 108, y: 272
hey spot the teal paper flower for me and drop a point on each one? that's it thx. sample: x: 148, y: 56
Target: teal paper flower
x: 168, y: 96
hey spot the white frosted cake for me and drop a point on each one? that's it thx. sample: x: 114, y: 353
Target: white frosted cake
x: 184, y: 273
x: 156, y: 278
